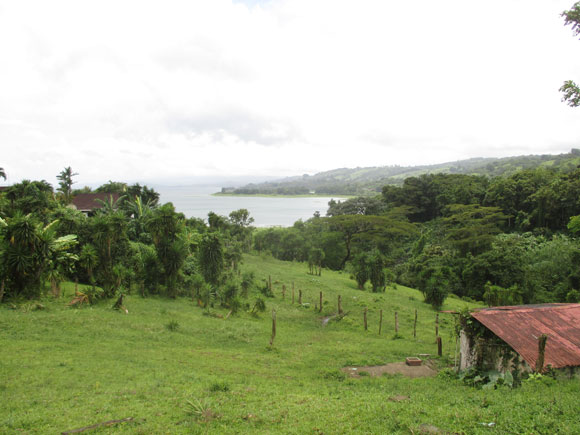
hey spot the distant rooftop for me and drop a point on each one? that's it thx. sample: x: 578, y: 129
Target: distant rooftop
x: 87, y: 202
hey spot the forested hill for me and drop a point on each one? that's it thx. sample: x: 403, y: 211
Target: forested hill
x: 361, y: 181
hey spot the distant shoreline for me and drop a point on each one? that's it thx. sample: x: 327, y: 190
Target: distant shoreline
x: 273, y: 195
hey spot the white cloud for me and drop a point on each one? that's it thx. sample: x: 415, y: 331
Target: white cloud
x: 138, y: 89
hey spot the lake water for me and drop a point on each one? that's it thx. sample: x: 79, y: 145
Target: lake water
x: 197, y: 201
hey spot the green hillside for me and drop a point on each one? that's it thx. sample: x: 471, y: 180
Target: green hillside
x: 172, y: 367
x: 360, y: 181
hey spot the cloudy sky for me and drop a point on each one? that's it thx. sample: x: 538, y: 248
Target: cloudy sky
x: 165, y: 90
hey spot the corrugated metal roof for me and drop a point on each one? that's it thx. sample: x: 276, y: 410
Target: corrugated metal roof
x: 521, y: 326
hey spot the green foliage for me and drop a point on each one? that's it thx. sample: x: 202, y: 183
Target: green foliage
x: 434, y: 284
x: 167, y: 230
x: 471, y: 227
x: 360, y: 269
x: 31, y: 252
x: 361, y: 205
x: 30, y: 197
x: 377, y: 273
x: 211, y: 258
x: 228, y: 295
x: 247, y: 283
x: 65, y: 183
x: 487, y: 380
x: 497, y: 296
x: 259, y: 306
x: 109, y: 237
x: 315, y: 260
x: 570, y: 89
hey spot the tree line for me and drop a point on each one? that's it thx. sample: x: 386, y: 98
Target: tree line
x: 506, y: 240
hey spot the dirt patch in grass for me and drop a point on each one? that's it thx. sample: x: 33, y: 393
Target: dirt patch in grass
x: 424, y: 370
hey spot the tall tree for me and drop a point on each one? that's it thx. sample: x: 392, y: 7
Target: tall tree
x: 570, y: 90
x: 211, y: 258
x: 166, y: 228
x: 65, y: 183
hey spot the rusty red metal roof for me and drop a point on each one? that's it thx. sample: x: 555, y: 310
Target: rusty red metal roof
x: 521, y: 326
x: 88, y: 201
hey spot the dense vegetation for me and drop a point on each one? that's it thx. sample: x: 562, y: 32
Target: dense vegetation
x: 128, y: 243
x: 506, y: 240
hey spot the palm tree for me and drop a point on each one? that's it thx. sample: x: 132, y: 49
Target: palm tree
x: 66, y: 183
x: 2, y: 173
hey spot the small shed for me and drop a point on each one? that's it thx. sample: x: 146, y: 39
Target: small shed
x: 88, y: 203
x: 503, y: 337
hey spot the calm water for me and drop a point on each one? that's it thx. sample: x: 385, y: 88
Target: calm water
x: 196, y: 201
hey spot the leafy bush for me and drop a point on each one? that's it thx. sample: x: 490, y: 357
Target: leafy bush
x: 490, y: 379
x: 247, y: 283
x: 447, y: 373
x: 259, y: 306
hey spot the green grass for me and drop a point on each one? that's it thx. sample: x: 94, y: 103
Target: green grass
x: 63, y: 368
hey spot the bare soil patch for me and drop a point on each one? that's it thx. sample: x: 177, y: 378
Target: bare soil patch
x: 424, y: 370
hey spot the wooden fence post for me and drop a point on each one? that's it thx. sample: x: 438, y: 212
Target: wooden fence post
x: 273, y: 328
x: 415, y: 325
x: 320, y: 307
x: 437, y: 325
x: 396, y: 322
x: 299, y: 297
x: 380, y: 321
x: 292, y: 293
x: 284, y: 291
x: 365, y: 318
x: 439, y: 346
x: 339, y: 305
x: 270, y: 282
x: 541, y: 353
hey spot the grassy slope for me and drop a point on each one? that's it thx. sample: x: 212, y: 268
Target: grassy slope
x: 62, y: 369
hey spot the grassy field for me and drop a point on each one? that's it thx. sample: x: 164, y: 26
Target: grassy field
x: 173, y: 368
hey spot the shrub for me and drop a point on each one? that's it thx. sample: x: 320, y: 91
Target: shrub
x: 172, y: 325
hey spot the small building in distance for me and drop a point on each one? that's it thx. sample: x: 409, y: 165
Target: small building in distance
x: 88, y: 203
x: 507, y: 338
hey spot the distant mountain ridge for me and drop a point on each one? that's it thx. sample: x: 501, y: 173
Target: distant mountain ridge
x: 365, y: 181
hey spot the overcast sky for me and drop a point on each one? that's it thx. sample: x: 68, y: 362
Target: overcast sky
x: 143, y: 90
